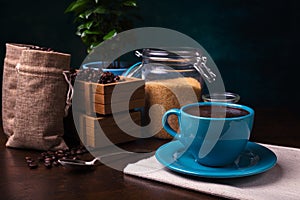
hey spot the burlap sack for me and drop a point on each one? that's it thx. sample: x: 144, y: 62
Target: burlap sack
x: 40, y: 103
x: 9, y: 85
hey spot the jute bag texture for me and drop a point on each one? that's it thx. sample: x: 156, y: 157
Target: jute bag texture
x: 9, y: 85
x: 41, y: 97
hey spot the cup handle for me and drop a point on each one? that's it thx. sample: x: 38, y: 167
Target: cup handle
x: 167, y: 126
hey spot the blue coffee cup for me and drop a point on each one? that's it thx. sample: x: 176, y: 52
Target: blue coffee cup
x: 215, y: 138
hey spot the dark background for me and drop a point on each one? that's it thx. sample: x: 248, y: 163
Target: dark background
x: 255, y: 43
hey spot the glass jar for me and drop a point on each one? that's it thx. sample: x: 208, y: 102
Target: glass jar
x: 226, y: 97
x: 173, y: 78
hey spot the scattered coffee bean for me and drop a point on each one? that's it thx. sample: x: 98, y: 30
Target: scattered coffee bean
x: 29, y: 161
x: 48, y: 165
x: 60, y: 155
x: 50, y: 158
x: 27, y: 158
x: 79, y: 152
x: 56, y: 164
x: 33, y: 165
x: 75, y: 158
x: 60, y: 151
x: 47, y: 160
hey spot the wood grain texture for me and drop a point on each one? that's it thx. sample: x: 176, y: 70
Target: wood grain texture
x: 95, y: 130
x: 97, y: 98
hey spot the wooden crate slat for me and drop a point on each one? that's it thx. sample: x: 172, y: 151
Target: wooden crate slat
x: 124, y: 85
x: 119, y: 107
x: 122, y: 96
x: 109, y: 120
x: 92, y: 135
x: 97, y: 97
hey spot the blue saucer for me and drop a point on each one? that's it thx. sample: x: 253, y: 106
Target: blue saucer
x: 254, y: 160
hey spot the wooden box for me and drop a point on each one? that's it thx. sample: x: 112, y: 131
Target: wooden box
x: 92, y: 136
x: 97, y: 98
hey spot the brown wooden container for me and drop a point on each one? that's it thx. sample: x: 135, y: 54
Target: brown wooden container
x: 97, y: 98
x: 91, y: 135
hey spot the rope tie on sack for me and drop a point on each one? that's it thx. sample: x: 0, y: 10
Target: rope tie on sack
x: 70, y: 92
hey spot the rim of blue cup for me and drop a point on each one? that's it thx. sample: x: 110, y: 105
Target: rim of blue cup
x: 234, y: 105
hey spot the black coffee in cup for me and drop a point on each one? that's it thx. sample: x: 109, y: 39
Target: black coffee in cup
x: 216, y: 111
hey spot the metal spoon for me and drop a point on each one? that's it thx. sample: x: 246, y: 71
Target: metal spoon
x: 78, y: 164
x: 89, y: 165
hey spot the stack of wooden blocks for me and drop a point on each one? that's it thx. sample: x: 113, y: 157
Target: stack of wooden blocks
x: 97, y: 101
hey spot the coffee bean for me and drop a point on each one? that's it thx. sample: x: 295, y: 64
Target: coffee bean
x: 47, y: 160
x: 60, y: 151
x: 60, y: 155
x: 79, y: 152
x: 44, y: 154
x: 56, y: 164
x: 67, y: 153
x: 48, y: 165
x: 108, y: 77
x: 33, y: 165
x: 72, y: 152
x: 84, y: 150
x: 27, y: 158
x: 29, y: 161
x: 50, y: 158
x: 50, y: 153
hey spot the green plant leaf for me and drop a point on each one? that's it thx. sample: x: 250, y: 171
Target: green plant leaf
x: 86, y: 25
x: 131, y: 3
x: 110, y: 35
x: 94, y: 44
x: 100, y: 10
x: 86, y: 14
x: 100, y: 20
x: 77, y: 6
x: 89, y: 32
x: 71, y: 7
x: 79, y: 33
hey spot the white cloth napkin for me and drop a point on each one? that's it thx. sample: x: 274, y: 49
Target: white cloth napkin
x: 280, y: 182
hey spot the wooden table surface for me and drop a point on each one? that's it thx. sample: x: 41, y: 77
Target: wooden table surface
x: 17, y: 181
